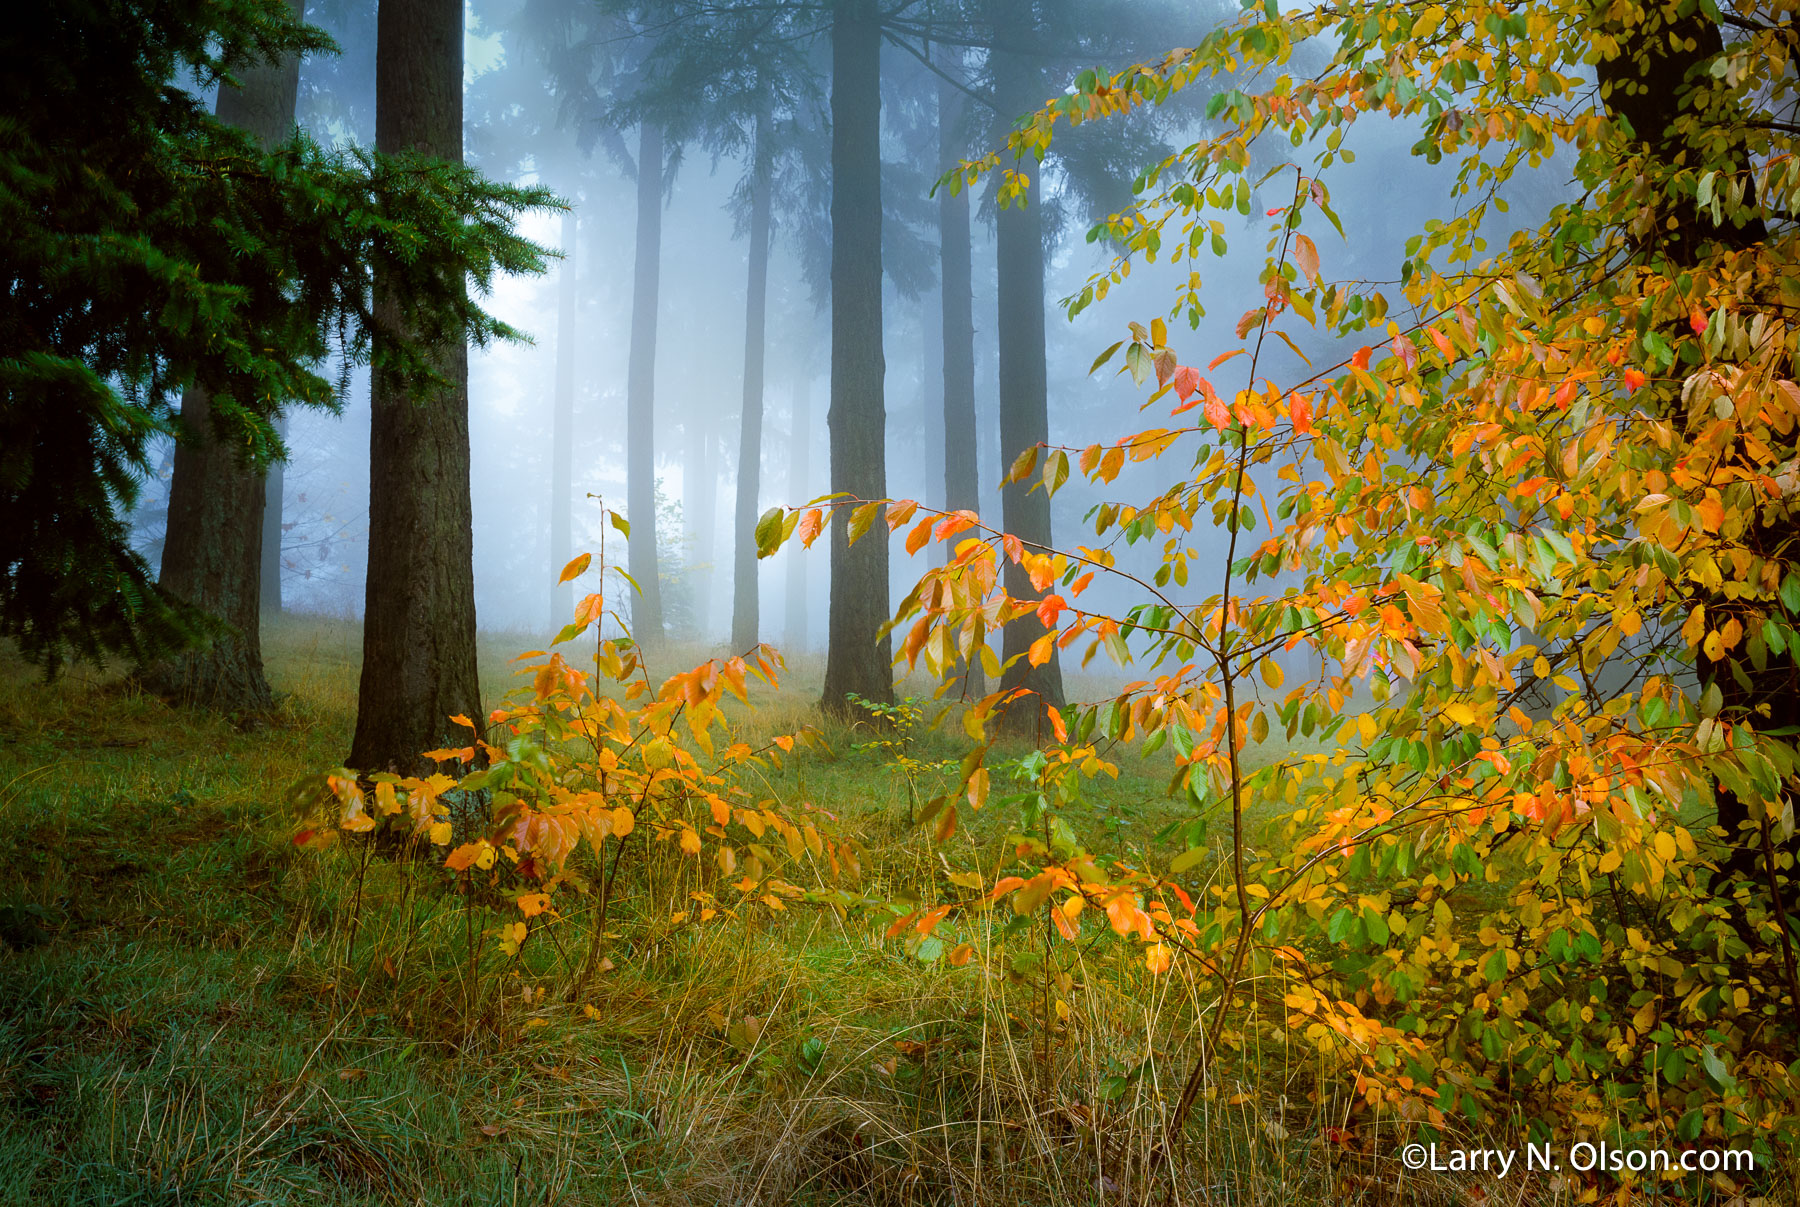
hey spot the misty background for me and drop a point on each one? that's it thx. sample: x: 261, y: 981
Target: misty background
x: 522, y: 124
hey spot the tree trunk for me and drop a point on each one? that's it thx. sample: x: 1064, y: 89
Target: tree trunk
x: 1650, y: 97
x: 418, y: 665
x: 699, y: 509
x: 799, y: 489
x: 962, y: 463
x: 562, y: 430
x: 745, y: 621
x: 640, y: 394
x: 858, y: 658
x: 213, y: 553
x: 273, y: 497
x: 1024, y: 403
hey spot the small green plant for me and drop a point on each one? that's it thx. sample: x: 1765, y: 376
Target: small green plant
x: 895, y: 733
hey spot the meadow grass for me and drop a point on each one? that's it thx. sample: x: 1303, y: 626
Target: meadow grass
x: 194, y: 1010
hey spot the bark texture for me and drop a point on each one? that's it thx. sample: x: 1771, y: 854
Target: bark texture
x: 745, y: 621
x: 640, y: 394
x: 962, y: 461
x: 418, y: 665
x: 562, y: 430
x: 213, y: 553
x: 1024, y: 401
x: 858, y: 658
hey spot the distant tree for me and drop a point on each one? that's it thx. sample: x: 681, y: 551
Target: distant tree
x: 212, y: 554
x: 562, y: 428
x: 247, y: 259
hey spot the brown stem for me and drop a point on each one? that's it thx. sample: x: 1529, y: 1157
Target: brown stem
x: 1197, y: 1076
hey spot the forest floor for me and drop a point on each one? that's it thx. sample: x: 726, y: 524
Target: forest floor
x: 194, y: 1010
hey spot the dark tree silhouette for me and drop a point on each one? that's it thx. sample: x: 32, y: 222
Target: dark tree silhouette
x: 213, y: 556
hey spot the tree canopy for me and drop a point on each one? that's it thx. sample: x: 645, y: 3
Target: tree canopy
x: 151, y: 247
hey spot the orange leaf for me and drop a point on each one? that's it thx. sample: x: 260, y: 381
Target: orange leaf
x: 1300, y: 411
x: 1306, y: 257
x: 946, y: 822
x: 915, y: 540
x: 900, y: 925
x: 1056, y: 723
x: 899, y: 513
x: 1361, y: 359
x: 1049, y: 609
x: 930, y: 921
x: 1187, y: 380
x: 576, y: 567
x: 811, y: 524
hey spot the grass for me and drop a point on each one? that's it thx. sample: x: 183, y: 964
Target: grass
x: 192, y: 1010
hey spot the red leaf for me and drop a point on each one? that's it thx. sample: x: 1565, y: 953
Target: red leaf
x: 1634, y: 379
x: 1300, y: 411
x: 1049, y: 609
x: 1187, y: 380
x: 1217, y: 414
x: 1361, y: 359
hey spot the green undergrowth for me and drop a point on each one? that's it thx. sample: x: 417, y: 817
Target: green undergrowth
x: 194, y: 1010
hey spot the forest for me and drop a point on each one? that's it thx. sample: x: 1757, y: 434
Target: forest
x: 1173, y: 603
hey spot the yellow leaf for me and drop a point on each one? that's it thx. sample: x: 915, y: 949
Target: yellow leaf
x: 1460, y: 713
x: 575, y: 568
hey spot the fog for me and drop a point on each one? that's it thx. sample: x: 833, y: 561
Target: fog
x: 523, y: 125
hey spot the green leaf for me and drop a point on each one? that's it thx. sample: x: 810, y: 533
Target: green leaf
x: 768, y: 532
x: 861, y: 518
x: 1187, y: 859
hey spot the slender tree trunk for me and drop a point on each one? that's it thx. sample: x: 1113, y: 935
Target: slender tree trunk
x: 562, y: 429
x: 962, y: 464
x: 269, y: 573
x: 858, y: 657
x: 213, y: 553
x: 640, y: 393
x: 799, y: 489
x: 1024, y: 402
x: 419, y: 664
x: 745, y: 621
x: 700, y: 506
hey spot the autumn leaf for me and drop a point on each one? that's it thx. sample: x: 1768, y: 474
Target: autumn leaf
x: 812, y: 522
x: 1306, y: 257
x: 575, y: 568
